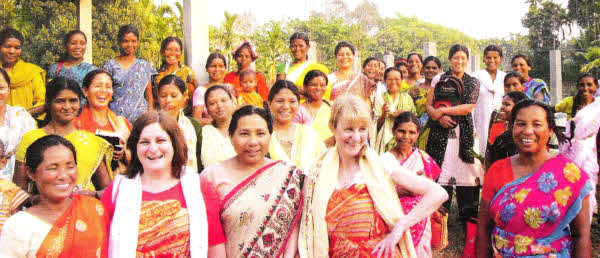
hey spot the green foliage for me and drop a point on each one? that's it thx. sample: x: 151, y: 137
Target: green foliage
x: 44, y: 24
x: 270, y: 39
x: 593, y: 55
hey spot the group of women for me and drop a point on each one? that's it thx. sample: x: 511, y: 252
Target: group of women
x: 133, y: 161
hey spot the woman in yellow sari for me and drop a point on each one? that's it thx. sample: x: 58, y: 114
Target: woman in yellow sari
x: 315, y: 112
x: 351, y: 206
x: 214, y: 140
x: 62, y: 224
x: 27, y: 80
x: 295, y: 143
x: 260, y: 199
x: 93, y: 153
x: 297, y: 70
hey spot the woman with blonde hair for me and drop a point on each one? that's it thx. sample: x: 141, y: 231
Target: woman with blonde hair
x: 351, y: 205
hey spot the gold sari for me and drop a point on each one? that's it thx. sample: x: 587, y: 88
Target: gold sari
x: 27, y: 85
x: 91, y: 150
x: 259, y: 215
x: 305, y: 148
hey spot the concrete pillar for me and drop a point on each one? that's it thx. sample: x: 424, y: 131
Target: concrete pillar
x: 388, y: 60
x: 357, y: 62
x: 195, y: 35
x: 313, y: 55
x: 429, y: 49
x: 85, y: 25
x: 475, y: 63
x: 555, y: 84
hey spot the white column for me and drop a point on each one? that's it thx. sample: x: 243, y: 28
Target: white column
x: 555, y: 84
x: 388, y: 60
x: 85, y: 25
x: 429, y: 49
x: 313, y: 54
x: 475, y: 63
x: 195, y: 36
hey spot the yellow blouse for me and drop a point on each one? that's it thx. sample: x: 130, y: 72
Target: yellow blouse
x: 27, y: 85
x: 90, y: 149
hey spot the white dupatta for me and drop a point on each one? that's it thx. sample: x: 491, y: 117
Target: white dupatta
x: 124, y: 227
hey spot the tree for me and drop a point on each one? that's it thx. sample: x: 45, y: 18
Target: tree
x: 593, y: 55
x: 270, y: 40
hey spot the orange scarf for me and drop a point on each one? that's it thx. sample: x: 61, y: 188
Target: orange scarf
x: 80, y: 232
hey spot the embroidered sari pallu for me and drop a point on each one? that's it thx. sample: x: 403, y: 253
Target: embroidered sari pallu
x: 259, y: 215
x: 532, y: 214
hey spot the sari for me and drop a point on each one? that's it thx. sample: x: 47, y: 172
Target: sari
x: 314, y: 239
x: 534, y: 86
x: 79, y: 232
x: 233, y: 78
x: 417, y: 162
x: 11, y: 197
x: 17, y: 122
x: 191, y: 139
x: 384, y: 135
x: 76, y: 72
x: 304, y: 149
x: 565, y: 106
x: 360, y: 85
x: 260, y: 214
x: 129, y: 99
x: 171, y: 223
x: 185, y: 73
x: 90, y: 149
x: 215, y: 147
x: 496, y: 130
x: 117, y: 124
x: 27, y: 85
x: 532, y: 214
x: 320, y: 123
x: 296, y: 73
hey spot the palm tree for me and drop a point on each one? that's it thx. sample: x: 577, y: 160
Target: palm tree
x: 593, y: 56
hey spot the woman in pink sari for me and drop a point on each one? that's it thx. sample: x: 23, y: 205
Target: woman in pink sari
x: 406, y: 154
x: 534, y: 204
x: 260, y: 199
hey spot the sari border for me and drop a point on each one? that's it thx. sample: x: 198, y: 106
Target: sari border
x: 295, y: 223
x: 63, y: 219
x: 241, y: 185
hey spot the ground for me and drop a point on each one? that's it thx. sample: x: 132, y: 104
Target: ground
x: 456, y: 237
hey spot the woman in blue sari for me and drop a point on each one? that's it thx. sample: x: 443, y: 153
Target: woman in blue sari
x: 71, y: 64
x: 534, y: 88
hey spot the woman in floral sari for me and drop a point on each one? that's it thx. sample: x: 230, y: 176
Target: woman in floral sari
x: 260, y: 199
x: 62, y: 224
x: 534, y: 88
x: 93, y: 153
x: 404, y: 153
x: 352, y: 207
x: 534, y: 204
x: 346, y: 80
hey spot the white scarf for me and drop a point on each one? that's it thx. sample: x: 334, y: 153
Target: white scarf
x: 124, y: 227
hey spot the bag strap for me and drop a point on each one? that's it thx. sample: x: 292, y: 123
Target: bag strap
x: 59, y: 67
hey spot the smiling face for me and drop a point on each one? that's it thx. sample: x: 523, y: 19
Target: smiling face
x: 129, y: 43
x: 531, y: 130
x: 299, y: 48
x: 506, y: 108
x: 65, y: 106
x: 155, y: 149
x: 100, y: 91
x: 492, y: 59
x: 351, y: 137
x: 56, y: 175
x: 458, y: 62
x: 216, y: 70
x: 284, y: 106
x: 171, y: 99
x: 10, y: 51
x: 513, y: 84
x: 406, y: 135
x: 393, y: 81
x: 172, y: 53
x: 430, y: 70
x: 243, y: 58
x: 76, y: 46
x: 520, y: 65
x: 414, y: 65
x: 251, y: 139
x: 344, y: 58
x: 371, y: 70
x: 4, y: 91
x: 316, y: 88
x: 219, y: 105
x: 587, y: 87
x: 248, y: 82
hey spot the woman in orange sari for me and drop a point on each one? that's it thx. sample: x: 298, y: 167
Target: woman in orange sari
x: 62, y: 224
x: 351, y: 206
x: 260, y: 199
x: 97, y: 118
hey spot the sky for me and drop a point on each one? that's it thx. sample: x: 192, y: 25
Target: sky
x: 477, y: 18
